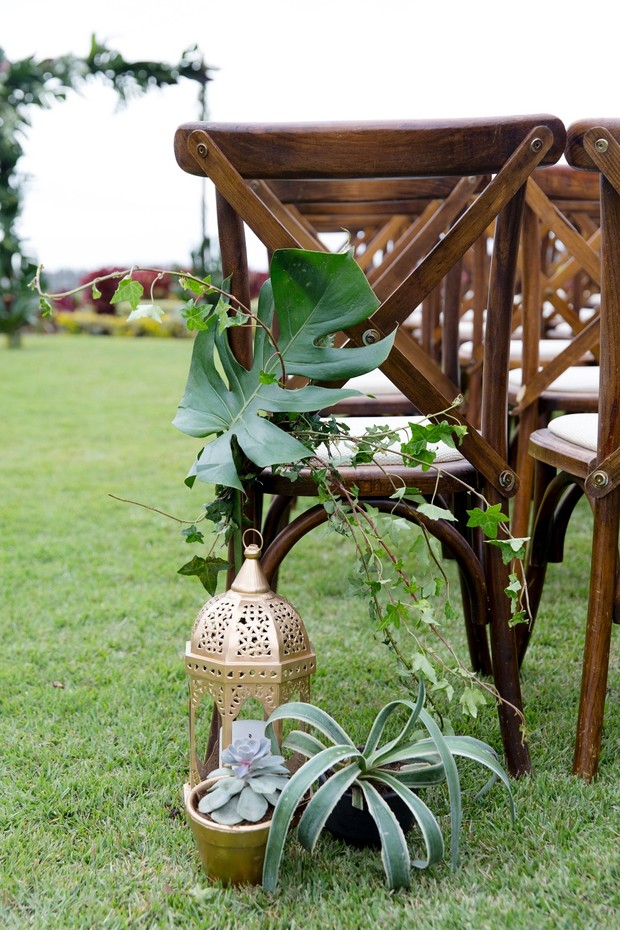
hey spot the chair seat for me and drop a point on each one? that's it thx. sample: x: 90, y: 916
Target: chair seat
x: 374, y: 383
x: 575, y: 390
x: 578, y: 428
x: 373, y: 481
x: 579, y: 379
x: 372, y: 386
x: 547, y: 348
x: 343, y: 451
x: 568, y: 443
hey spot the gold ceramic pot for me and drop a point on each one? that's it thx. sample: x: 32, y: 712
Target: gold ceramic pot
x: 234, y: 854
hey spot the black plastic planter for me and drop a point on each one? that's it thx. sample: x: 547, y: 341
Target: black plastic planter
x: 357, y: 827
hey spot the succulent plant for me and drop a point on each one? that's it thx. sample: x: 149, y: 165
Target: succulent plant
x: 334, y: 755
x: 250, y: 780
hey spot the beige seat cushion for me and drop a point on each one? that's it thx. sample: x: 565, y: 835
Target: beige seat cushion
x: 374, y: 383
x: 578, y: 428
x: 580, y: 379
x: 547, y: 348
x: 342, y: 451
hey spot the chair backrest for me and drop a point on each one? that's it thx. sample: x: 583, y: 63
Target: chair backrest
x: 243, y: 160
x: 560, y: 266
x: 392, y: 224
x: 594, y: 145
x: 559, y: 281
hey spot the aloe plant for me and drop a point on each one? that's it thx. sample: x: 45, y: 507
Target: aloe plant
x: 333, y: 754
x: 249, y: 781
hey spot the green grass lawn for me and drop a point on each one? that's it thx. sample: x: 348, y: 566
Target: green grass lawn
x: 93, y: 695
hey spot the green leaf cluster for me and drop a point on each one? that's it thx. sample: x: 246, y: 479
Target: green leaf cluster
x: 313, y: 294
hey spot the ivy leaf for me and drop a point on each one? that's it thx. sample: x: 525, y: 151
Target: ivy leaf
x: 95, y: 292
x: 404, y: 492
x: 444, y: 685
x: 436, y: 513
x: 488, y: 520
x: 206, y: 570
x: 196, y: 287
x: 194, y: 316
x: 513, y: 548
x: 415, y: 453
x: 519, y: 616
x: 470, y: 700
x: 227, y: 401
x: 128, y: 290
x: 513, y: 589
x: 45, y: 307
x: 423, y: 612
x: 443, y: 431
x: 146, y: 311
x: 393, y: 615
x: 421, y: 663
x: 193, y: 534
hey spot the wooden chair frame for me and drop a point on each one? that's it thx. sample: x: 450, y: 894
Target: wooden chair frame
x: 567, y: 471
x: 563, y: 202
x: 242, y: 160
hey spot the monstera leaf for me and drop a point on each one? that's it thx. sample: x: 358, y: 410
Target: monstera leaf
x: 316, y: 294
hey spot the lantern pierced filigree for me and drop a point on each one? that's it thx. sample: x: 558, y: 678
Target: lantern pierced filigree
x: 247, y: 643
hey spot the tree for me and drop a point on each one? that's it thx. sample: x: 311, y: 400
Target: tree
x: 32, y: 83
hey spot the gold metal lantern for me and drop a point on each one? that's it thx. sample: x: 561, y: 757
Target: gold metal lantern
x: 247, y: 643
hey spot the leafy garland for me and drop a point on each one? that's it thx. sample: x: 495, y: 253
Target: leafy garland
x: 31, y: 83
x: 228, y: 402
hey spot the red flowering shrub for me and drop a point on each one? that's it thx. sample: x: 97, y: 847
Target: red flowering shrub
x: 257, y: 279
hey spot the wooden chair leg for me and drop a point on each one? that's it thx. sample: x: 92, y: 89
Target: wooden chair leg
x: 477, y: 639
x: 506, y: 667
x: 475, y: 625
x: 546, y: 545
x: 598, y: 636
x: 524, y: 466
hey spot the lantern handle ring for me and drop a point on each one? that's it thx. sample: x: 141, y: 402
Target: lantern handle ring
x: 252, y: 529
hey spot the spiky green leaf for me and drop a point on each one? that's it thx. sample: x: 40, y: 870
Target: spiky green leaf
x: 291, y: 797
x: 394, y: 850
x: 315, y: 717
x: 322, y: 804
x: 426, y: 820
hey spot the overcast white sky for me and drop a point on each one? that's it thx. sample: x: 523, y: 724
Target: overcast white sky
x: 105, y: 188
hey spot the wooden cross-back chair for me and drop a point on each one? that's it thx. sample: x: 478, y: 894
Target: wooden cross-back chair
x: 242, y: 160
x: 560, y: 276
x: 579, y: 454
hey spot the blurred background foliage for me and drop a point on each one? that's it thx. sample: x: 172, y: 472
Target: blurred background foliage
x: 29, y: 83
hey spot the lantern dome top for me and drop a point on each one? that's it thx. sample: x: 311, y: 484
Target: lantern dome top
x: 251, y: 625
